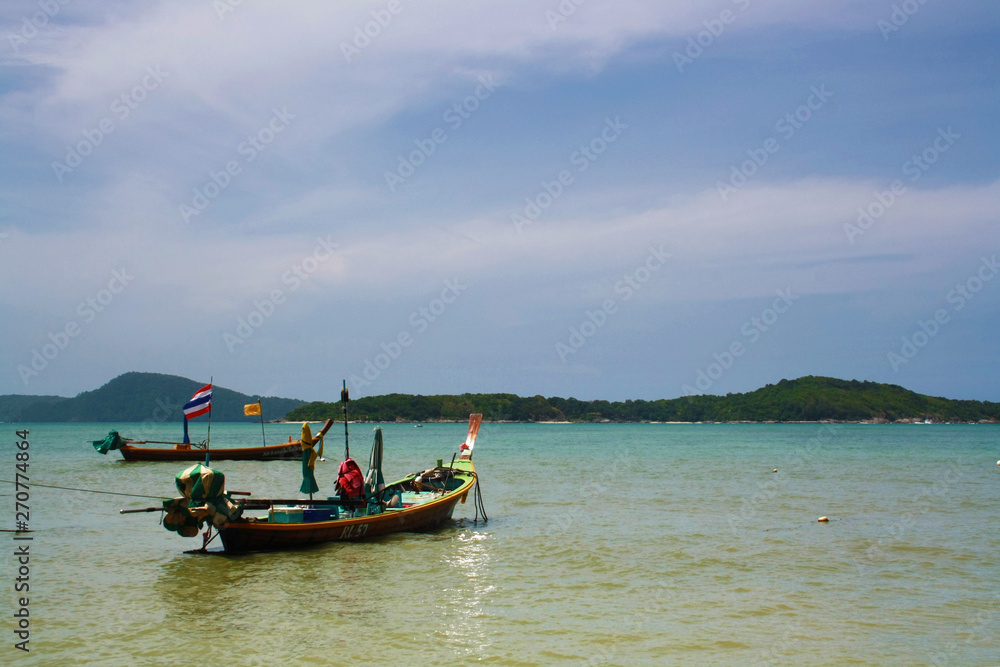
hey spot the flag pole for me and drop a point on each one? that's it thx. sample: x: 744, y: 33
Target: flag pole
x: 208, y: 439
x: 343, y: 401
x: 262, y: 439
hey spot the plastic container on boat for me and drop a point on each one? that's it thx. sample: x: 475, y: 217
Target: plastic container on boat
x: 319, y: 514
x: 285, y: 515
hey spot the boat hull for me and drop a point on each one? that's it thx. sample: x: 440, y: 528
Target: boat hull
x: 289, y: 451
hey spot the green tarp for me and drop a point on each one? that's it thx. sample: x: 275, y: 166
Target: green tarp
x: 374, y: 480
x: 113, y: 441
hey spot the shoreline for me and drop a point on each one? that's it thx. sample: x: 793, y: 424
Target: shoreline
x: 868, y: 422
x: 913, y: 420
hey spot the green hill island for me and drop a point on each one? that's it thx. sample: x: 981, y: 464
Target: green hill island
x: 808, y: 399
x: 138, y: 397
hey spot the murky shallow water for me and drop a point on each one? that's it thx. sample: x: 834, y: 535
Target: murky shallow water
x: 607, y: 544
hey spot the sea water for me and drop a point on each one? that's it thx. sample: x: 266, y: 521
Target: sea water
x: 606, y: 544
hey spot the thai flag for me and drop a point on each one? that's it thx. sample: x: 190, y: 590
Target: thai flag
x: 199, y: 404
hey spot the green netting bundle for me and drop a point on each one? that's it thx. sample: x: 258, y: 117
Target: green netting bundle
x: 204, y: 500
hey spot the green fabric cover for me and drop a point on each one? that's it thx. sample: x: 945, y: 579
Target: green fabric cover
x: 309, y: 456
x: 309, y: 484
x: 113, y: 441
x: 204, y: 499
x: 374, y: 480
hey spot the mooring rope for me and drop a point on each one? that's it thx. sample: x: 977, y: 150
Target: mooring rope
x: 70, y: 488
x: 477, y: 499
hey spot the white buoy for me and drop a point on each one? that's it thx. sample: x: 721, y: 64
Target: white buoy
x: 776, y: 470
x: 823, y: 519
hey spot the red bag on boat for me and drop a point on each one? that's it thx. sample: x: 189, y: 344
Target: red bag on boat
x: 350, y: 480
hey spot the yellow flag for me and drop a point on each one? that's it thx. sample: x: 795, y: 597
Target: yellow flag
x: 251, y: 409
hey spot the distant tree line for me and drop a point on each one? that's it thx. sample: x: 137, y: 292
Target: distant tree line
x: 137, y: 397
x: 806, y: 399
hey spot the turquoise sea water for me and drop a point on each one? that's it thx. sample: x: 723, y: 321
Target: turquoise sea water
x: 646, y: 544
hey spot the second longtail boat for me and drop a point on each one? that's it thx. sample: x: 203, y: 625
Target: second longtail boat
x: 200, y: 404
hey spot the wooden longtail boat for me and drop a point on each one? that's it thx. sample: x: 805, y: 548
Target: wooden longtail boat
x: 287, y: 451
x: 369, y: 508
x: 201, y: 404
x: 426, y: 499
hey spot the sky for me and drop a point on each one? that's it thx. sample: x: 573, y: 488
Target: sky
x: 628, y: 200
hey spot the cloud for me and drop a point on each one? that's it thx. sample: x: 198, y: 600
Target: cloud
x: 768, y: 235
x: 427, y: 47
x: 322, y: 176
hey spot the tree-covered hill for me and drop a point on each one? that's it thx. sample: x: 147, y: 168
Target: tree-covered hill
x: 406, y: 407
x: 137, y: 397
x: 13, y: 406
x: 806, y: 399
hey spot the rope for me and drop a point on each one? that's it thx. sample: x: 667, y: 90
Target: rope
x: 70, y: 488
x: 477, y: 499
